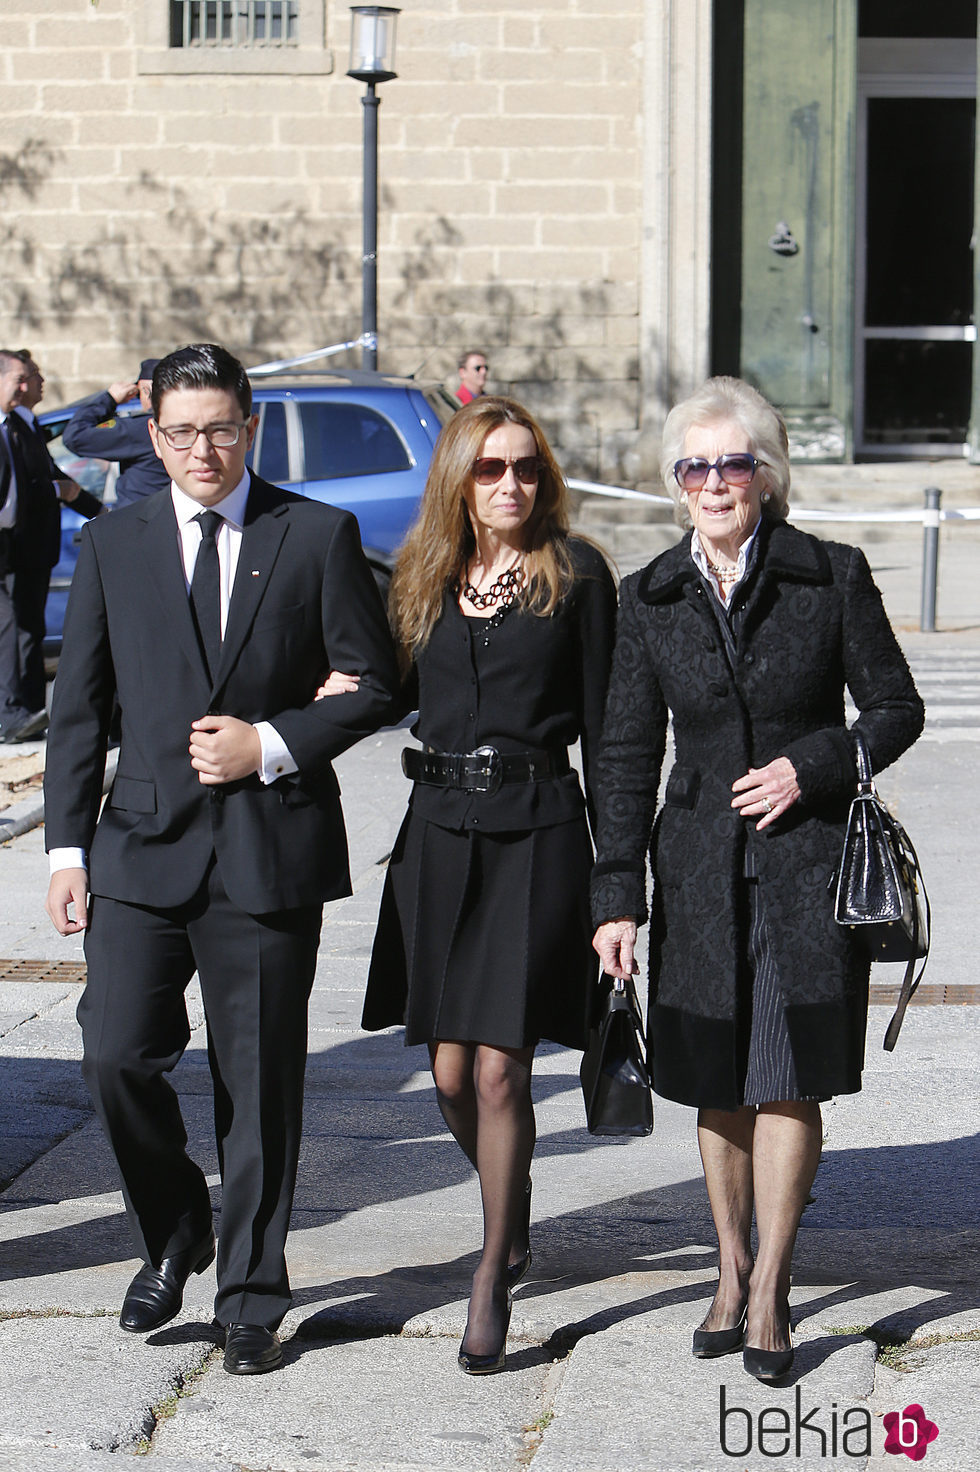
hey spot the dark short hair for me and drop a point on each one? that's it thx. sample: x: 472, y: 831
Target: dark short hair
x: 201, y: 365
x: 464, y: 358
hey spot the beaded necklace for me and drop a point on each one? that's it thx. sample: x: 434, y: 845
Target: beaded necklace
x: 504, y: 590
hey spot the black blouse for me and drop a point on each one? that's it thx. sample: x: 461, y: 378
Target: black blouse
x: 529, y: 684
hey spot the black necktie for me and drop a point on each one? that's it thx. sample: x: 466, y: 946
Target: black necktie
x: 206, y: 589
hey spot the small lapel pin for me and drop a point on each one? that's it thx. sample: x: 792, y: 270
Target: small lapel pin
x: 255, y: 572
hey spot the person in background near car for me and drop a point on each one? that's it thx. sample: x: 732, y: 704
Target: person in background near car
x: 70, y: 493
x: 473, y: 370
x: 126, y: 439
x: 207, y: 612
x: 30, y: 544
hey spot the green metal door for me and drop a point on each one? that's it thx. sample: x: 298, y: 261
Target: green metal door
x: 797, y: 216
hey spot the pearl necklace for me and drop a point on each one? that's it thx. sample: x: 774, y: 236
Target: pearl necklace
x: 725, y: 574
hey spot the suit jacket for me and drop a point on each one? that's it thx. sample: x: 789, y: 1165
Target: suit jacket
x: 37, y: 531
x: 813, y: 624
x: 304, y: 601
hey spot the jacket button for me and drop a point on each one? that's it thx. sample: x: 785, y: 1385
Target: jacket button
x: 749, y: 659
x: 716, y: 687
x: 217, y: 796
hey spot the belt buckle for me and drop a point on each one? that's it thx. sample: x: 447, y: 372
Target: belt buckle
x: 491, y: 770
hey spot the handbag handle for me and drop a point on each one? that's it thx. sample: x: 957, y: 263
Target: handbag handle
x: 866, y: 784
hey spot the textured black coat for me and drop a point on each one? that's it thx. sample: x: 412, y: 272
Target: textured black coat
x: 813, y: 623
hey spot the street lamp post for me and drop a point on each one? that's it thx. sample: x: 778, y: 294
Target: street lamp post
x: 372, y: 60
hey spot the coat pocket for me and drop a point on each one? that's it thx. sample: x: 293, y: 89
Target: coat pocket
x: 134, y: 795
x: 683, y: 786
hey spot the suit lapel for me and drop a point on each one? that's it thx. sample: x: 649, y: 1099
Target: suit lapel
x: 265, y: 527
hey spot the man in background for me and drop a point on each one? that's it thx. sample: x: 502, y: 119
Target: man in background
x: 30, y: 544
x: 96, y: 431
x: 473, y: 370
x: 70, y: 493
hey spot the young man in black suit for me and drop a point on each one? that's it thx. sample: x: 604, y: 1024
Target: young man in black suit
x: 210, y: 612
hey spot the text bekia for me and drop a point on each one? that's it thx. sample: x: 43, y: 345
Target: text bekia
x: 777, y: 1432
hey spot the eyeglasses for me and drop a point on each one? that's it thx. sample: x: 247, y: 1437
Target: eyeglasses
x: 488, y: 471
x: 735, y: 470
x: 218, y: 436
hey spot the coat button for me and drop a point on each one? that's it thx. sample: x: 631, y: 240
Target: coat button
x: 749, y: 659
x: 717, y: 687
x: 217, y: 796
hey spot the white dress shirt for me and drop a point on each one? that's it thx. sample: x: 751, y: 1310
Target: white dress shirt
x: 276, y: 759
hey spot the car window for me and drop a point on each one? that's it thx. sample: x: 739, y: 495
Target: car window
x: 90, y: 474
x: 347, y: 439
x: 273, y: 448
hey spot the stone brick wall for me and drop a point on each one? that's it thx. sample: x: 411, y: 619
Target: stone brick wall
x: 145, y: 205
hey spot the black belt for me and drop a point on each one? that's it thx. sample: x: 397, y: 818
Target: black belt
x: 483, y: 770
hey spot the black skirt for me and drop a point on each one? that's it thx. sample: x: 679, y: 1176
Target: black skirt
x: 485, y: 937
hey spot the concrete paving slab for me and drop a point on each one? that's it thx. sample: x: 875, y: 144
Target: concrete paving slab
x: 945, y: 1382
x: 49, y: 1383
x: 642, y: 1403
x: 71, y: 1459
x: 311, y: 1415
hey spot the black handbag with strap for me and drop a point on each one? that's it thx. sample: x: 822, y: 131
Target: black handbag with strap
x: 880, y: 889
x: 615, y: 1080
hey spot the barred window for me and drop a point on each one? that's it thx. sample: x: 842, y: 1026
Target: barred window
x: 234, y: 23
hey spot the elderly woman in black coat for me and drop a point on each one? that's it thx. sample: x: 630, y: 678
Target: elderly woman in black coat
x: 747, y: 634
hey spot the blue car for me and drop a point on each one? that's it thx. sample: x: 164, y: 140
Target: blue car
x: 358, y: 440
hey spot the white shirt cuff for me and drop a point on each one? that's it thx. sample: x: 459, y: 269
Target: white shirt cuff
x: 66, y: 858
x: 276, y: 758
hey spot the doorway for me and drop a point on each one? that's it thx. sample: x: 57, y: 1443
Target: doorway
x: 914, y: 272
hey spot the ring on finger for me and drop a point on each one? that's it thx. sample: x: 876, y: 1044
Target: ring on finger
x: 767, y: 804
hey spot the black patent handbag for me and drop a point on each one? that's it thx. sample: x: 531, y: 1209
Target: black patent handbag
x: 880, y: 888
x: 615, y: 1080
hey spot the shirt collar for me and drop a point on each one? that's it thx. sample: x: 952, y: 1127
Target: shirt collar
x: 232, y: 507
x: 701, y: 557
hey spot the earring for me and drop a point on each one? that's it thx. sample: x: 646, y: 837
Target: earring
x: 766, y: 496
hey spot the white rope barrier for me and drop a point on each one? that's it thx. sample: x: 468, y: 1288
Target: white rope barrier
x: 924, y: 516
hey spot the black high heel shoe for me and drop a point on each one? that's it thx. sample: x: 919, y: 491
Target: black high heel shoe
x: 487, y: 1364
x: 710, y: 1343
x: 516, y: 1270
x: 769, y: 1365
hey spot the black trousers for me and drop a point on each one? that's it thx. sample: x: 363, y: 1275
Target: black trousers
x: 256, y: 975
x: 22, y: 686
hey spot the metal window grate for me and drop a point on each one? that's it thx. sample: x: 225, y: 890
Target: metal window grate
x: 234, y: 23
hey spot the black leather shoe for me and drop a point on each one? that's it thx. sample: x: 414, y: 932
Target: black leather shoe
x: 29, y: 728
x: 516, y: 1270
x: 767, y: 1365
x: 487, y: 1364
x: 710, y: 1343
x: 251, y: 1350
x: 155, y: 1294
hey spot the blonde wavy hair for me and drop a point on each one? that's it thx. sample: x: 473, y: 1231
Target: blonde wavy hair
x: 441, y: 541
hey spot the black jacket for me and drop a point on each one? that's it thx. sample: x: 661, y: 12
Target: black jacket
x: 125, y: 438
x: 538, y: 686
x: 304, y: 601
x: 813, y: 624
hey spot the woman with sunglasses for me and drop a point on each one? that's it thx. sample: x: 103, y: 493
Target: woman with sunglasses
x: 484, y: 937
x: 747, y: 633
